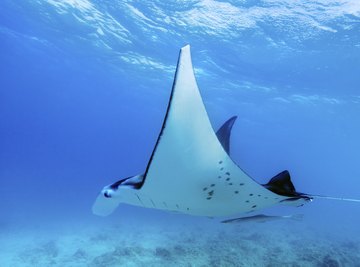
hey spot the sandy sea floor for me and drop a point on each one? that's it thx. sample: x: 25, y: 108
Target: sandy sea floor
x: 174, y: 240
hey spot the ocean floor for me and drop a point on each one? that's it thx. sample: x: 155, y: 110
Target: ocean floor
x: 175, y: 240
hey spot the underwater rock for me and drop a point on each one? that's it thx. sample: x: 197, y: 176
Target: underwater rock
x: 329, y: 261
x: 125, y: 251
x: 101, y: 237
x: 179, y: 250
x: 163, y: 253
x: 120, y: 256
x: 50, y: 249
x: 104, y: 260
x: 80, y: 254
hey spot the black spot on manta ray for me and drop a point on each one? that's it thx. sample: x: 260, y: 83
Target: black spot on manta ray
x: 236, y: 192
x: 230, y: 183
x: 251, y: 195
x: 222, y: 168
x: 212, y: 185
x: 211, y: 193
x: 228, y: 173
x: 241, y: 184
x: 219, y: 176
x: 208, y: 198
x: 205, y: 188
x: 228, y: 179
x: 253, y: 207
x: 220, y: 162
x: 247, y: 201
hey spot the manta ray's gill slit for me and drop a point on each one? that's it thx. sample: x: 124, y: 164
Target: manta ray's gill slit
x: 177, y: 206
x: 165, y: 204
x: 140, y: 200
x: 153, y: 203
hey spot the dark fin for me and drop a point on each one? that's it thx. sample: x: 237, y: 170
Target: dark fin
x: 132, y: 181
x: 224, y: 132
x: 281, y: 184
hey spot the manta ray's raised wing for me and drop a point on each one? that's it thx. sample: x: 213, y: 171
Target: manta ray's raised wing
x: 189, y: 170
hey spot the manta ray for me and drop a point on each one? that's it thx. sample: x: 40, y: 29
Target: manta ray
x: 190, y: 169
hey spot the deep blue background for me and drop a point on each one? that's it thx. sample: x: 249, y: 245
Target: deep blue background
x: 84, y: 87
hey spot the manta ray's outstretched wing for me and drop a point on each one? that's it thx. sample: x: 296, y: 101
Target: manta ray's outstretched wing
x: 190, y: 170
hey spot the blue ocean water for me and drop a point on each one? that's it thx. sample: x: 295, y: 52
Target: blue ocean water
x: 84, y: 87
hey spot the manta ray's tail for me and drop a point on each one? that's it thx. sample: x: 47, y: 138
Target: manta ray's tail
x: 333, y: 198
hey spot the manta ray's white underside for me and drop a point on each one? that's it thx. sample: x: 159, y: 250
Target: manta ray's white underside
x: 189, y: 170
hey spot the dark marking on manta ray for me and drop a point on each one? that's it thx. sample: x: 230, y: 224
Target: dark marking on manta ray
x: 230, y: 183
x: 211, y: 193
x: 228, y: 179
x: 220, y: 162
x: 153, y: 203
x: 236, y: 192
x: 266, y: 197
x: 251, y: 195
x: 253, y: 207
x: 205, y: 188
x: 219, y: 177
x: 259, y: 195
x: 247, y: 201
x: 177, y: 206
x: 208, y: 198
x: 187, y: 209
x: 241, y: 184
x: 222, y: 168
x: 212, y: 185
x: 228, y: 173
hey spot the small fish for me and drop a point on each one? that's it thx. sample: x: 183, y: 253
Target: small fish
x: 261, y: 218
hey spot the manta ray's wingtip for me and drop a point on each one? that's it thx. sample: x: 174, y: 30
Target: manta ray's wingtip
x: 104, y: 206
x: 185, y: 47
